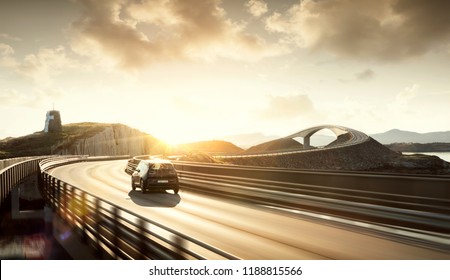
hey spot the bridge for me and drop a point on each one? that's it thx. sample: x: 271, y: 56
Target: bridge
x: 239, y: 212
x: 354, y: 136
x: 352, y: 150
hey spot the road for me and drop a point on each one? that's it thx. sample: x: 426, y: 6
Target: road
x: 247, y: 231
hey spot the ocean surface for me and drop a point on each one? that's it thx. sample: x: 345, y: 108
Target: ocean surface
x: 443, y: 155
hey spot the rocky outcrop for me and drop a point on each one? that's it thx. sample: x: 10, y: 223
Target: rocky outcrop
x: 113, y: 140
x: 417, y: 163
x: 367, y: 156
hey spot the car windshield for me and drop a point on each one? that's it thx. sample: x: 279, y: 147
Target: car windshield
x: 157, y: 166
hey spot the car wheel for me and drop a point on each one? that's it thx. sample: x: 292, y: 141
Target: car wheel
x: 176, y: 189
x: 142, y: 186
x: 133, y: 186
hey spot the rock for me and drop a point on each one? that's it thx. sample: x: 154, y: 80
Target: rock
x: 367, y: 156
x: 113, y: 140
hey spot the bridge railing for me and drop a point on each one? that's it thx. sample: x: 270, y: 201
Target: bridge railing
x: 420, y: 202
x: 14, y: 171
x: 113, y: 231
x: 10, y: 161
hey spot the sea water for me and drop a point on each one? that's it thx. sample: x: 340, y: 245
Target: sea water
x: 443, y: 155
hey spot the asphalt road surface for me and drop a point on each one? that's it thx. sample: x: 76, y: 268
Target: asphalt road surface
x: 251, y: 232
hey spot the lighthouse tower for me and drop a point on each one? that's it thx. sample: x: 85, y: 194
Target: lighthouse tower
x: 53, y: 122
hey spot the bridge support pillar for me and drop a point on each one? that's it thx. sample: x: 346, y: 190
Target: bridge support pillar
x: 307, y: 142
x: 48, y: 218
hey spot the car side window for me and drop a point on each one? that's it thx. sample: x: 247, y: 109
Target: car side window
x: 144, y: 168
x: 141, y: 167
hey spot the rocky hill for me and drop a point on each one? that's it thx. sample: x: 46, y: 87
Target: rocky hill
x: 367, y: 156
x: 210, y: 147
x: 94, y: 139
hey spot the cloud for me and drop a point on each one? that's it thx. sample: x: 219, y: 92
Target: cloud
x: 383, y: 30
x: 134, y: 34
x: 289, y: 107
x: 6, y: 55
x: 43, y: 66
x: 6, y: 50
x: 403, y: 102
x: 9, y: 37
x: 9, y: 97
x: 256, y: 7
x: 38, y: 97
x: 407, y: 94
x: 39, y: 67
x: 365, y: 75
x: 190, y: 107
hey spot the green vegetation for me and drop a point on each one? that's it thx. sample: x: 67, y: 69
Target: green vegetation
x: 35, y: 144
x: 83, y: 130
x: 40, y: 143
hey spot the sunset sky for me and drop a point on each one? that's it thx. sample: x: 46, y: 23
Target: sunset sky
x: 190, y: 70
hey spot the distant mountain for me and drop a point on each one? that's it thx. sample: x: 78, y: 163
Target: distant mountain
x: 275, y: 145
x: 401, y: 136
x: 213, y: 146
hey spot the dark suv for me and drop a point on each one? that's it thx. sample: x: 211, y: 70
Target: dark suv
x: 155, y: 174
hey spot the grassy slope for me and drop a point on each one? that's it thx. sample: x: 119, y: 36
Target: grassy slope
x: 40, y: 143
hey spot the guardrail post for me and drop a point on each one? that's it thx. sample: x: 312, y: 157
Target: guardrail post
x: 180, y: 243
x: 116, y: 232
x: 98, y: 247
x: 48, y: 186
x: 58, y: 196
x: 51, y: 181
x: 83, y: 217
x: 2, y: 188
x: 143, y: 240
x: 64, y: 207
x: 71, y: 208
x: 53, y: 193
x: 40, y: 183
x: 44, y: 186
x: 8, y: 180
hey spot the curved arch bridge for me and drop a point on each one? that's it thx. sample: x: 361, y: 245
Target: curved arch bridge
x: 356, y: 136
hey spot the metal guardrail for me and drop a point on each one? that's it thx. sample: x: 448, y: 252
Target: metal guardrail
x: 10, y: 161
x: 114, y: 231
x: 16, y: 172
x: 419, y: 202
x: 397, y: 210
